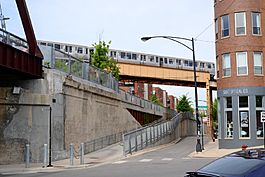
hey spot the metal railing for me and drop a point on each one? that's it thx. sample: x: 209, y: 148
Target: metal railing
x: 128, y: 97
x: 148, y: 136
x: 57, y: 59
x: 13, y: 40
x: 102, y: 142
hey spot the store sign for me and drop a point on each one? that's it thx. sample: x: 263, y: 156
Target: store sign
x: 235, y: 91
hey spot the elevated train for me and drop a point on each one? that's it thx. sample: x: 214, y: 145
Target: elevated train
x: 81, y: 51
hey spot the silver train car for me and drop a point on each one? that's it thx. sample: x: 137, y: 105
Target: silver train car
x: 84, y: 52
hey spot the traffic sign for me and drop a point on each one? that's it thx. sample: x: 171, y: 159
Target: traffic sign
x: 202, y: 107
x: 262, y: 117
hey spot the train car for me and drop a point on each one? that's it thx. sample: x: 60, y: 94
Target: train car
x: 84, y: 52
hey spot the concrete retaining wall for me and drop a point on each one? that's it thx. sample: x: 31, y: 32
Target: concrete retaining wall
x: 83, y: 111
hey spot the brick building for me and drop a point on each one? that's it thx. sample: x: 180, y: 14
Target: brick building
x: 173, y: 101
x: 240, y: 40
x: 159, y: 94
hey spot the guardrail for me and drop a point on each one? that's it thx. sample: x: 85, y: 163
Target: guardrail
x: 155, y: 134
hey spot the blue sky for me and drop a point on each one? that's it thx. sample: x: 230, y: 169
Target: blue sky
x: 123, y: 22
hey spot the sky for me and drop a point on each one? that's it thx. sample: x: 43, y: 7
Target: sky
x: 124, y: 22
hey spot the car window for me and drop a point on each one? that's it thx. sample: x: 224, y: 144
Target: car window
x: 232, y: 165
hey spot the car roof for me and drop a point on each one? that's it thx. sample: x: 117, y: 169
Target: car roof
x: 236, y: 163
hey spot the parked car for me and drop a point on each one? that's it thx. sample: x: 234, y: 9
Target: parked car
x: 245, y: 163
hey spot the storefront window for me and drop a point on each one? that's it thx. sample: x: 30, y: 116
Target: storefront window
x: 243, y: 117
x: 228, y: 117
x: 259, y: 109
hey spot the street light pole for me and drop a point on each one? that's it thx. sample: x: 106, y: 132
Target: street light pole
x: 175, y: 39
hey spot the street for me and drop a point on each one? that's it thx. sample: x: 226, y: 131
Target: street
x: 171, y: 161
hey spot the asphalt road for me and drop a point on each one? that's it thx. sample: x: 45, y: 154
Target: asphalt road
x: 172, y: 161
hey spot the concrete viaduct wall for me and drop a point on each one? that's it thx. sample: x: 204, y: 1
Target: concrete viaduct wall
x: 83, y: 111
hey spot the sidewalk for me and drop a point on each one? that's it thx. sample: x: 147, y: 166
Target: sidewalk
x: 100, y: 157
x: 212, y: 151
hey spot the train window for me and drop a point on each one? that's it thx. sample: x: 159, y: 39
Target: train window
x: 190, y: 63
x: 113, y: 54
x: 209, y: 66
x: 157, y: 59
x: 42, y: 43
x: 66, y: 48
x: 165, y: 60
x: 50, y: 44
x: 134, y: 57
x: 178, y: 62
x: 196, y: 64
x: 152, y: 59
x: 86, y: 50
x: 123, y: 55
x: 201, y: 65
x: 186, y: 63
x: 143, y: 57
x: 129, y: 56
x: 70, y: 49
x: 161, y: 61
x: 80, y: 50
x: 57, y: 46
x: 170, y: 61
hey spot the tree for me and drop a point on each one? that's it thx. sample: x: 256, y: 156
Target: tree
x: 214, y: 113
x: 155, y: 100
x: 101, y: 59
x: 184, y: 104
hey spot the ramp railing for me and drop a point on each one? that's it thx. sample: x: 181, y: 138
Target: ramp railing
x: 150, y: 135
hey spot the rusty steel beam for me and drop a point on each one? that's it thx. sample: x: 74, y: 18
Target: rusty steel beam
x: 28, y: 29
x: 17, y: 64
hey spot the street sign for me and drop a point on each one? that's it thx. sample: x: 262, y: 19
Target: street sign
x: 262, y: 117
x: 202, y: 107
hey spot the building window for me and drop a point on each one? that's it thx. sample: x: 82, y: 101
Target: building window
x: 243, y: 117
x: 240, y: 23
x: 226, y: 65
x: 228, y: 117
x: 256, y: 23
x: 242, y: 64
x: 259, y: 109
x: 216, y: 29
x: 225, y: 25
x: 258, y: 63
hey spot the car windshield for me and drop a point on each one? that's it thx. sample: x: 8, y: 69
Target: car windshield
x: 232, y: 165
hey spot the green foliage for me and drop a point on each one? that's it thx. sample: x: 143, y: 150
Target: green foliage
x: 61, y: 65
x: 155, y: 100
x: 214, y: 112
x: 101, y: 59
x: 184, y: 104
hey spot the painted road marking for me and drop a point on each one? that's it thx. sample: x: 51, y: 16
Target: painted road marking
x: 167, y: 159
x: 145, y: 160
x: 120, y: 162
